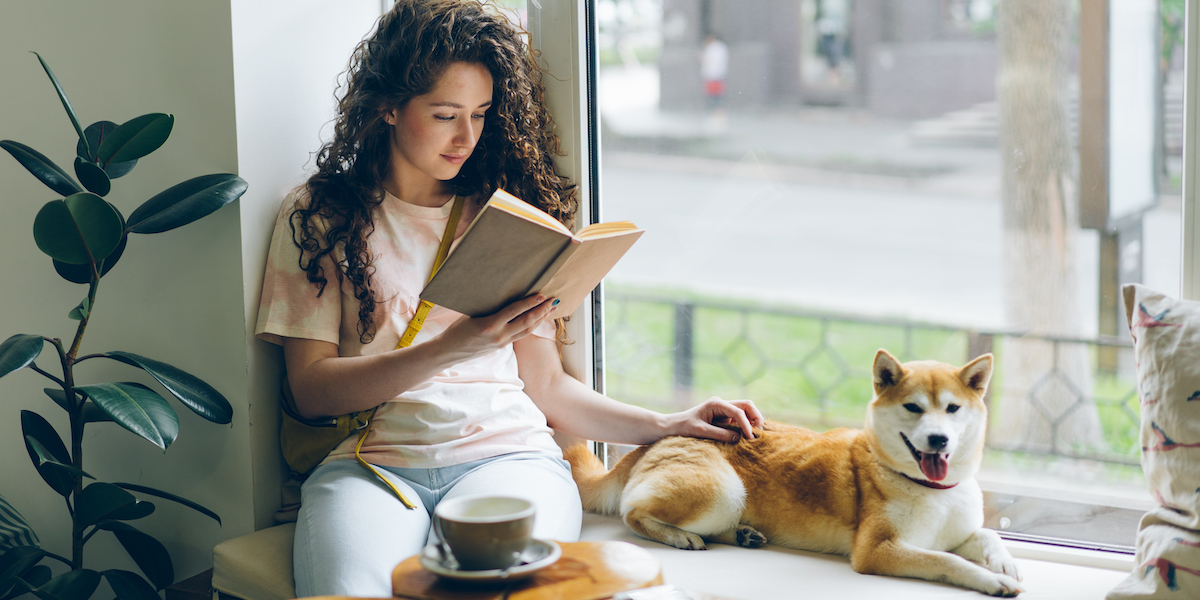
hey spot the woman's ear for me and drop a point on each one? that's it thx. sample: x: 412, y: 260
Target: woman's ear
x: 389, y: 117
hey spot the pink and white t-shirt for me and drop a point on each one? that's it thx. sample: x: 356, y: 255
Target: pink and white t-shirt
x: 473, y: 410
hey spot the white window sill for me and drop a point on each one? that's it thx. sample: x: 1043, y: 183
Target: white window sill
x: 1096, y: 559
x: 1048, y: 572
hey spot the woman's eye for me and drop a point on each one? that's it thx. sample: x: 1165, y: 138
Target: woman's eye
x: 953, y: 408
x: 912, y: 408
x: 479, y: 116
x: 444, y: 118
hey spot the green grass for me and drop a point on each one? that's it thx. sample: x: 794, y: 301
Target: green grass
x: 802, y: 369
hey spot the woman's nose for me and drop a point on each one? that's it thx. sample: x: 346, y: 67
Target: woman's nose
x: 467, y: 133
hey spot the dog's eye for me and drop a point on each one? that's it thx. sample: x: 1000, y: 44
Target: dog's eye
x: 953, y: 408
x: 913, y: 408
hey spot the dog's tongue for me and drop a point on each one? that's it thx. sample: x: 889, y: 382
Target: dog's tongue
x: 934, y: 466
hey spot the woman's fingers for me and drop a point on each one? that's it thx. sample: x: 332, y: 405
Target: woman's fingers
x: 520, y: 307
x: 514, y: 321
x: 741, y: 413
x: 752, y: 413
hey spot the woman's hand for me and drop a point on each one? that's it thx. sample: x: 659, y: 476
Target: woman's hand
x: 717, y: 419
x: 472, y: 337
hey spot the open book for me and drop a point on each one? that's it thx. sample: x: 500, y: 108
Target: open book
x: 513, y: 249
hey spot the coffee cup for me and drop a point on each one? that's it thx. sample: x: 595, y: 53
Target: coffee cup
x: 484, y: 532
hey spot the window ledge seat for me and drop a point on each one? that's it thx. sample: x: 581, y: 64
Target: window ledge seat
x: 258, y: 567
x: 775, y: 572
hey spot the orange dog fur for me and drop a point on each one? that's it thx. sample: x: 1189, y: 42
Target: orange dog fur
x: 898, y: 497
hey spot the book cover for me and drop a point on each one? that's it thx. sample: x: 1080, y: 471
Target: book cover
x: 513, y: 249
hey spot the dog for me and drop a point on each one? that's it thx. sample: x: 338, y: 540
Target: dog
x: 898, y: 497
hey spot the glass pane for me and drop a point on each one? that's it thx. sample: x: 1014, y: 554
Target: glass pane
x: 822, y: 178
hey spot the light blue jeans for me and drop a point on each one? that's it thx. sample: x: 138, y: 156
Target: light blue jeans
x: 352, y: 531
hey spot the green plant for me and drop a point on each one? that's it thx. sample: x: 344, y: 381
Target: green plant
x: 85, y: 235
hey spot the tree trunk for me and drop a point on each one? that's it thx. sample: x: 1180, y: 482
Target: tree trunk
x: 1045, y: 400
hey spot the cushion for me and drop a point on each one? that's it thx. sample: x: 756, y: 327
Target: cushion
x: 257, y: 566
x: 1166, y: 342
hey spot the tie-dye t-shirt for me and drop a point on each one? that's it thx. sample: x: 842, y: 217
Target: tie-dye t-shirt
x: 475, y: 409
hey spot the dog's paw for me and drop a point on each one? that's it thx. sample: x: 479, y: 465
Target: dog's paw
x: 1001, y: 585
x: 749, y: 537
x: 687, y: 540
x: 1003, y: 564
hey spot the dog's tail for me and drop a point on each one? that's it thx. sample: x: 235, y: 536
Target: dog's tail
x: 600, y: 489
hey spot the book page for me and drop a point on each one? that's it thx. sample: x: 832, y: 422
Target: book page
x: 587, y: 265
x: 510, y: 203
x: 596, y: 230
x: 495, y: 262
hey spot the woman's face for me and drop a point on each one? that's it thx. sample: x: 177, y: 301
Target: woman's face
x: 434, y: 133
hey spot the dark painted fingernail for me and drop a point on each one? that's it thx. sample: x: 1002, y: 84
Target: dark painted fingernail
x: 555, y: 303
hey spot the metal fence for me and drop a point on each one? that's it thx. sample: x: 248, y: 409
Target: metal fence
x: 814, y: 369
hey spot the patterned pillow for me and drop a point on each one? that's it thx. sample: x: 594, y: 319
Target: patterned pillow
x: 1166, y: 341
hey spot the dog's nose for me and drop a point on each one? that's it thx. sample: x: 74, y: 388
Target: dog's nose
x: 937, y: 442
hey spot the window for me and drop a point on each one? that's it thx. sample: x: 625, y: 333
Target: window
x: 822, y: 178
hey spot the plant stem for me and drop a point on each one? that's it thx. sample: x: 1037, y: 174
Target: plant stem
x: 46, y: 375
x: 77, y: 422
x: 60, y: 559
x: 95, y: 284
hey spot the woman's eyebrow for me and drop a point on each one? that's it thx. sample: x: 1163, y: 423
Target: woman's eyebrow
x: 449, y: 104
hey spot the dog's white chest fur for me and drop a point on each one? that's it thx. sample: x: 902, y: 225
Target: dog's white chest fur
x: 938, y: 519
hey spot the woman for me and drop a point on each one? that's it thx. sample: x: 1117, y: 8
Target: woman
x: 443, y: 100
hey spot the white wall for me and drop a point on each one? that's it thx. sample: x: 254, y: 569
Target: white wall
x: 287, y: 58
x: 250, y: 85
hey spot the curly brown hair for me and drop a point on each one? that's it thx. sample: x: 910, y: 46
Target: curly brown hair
x: 411, y: 47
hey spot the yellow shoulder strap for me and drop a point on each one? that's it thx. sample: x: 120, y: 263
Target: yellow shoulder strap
x: 418, y: 320
x: 414, y: 327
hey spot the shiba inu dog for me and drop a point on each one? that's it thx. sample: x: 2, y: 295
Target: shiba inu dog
x: 897, y: 497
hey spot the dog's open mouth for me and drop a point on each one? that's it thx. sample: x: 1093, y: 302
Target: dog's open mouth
x: 933, y: 465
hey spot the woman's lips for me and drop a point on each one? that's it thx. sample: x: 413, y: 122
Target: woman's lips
x: 455, y: 159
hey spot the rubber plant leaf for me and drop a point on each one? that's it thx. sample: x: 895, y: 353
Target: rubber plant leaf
x: 83, y: 273
x: 95, y: 134
x: 81, y: 311
x: 149, y: 554
x: 136, y: 408
x: 128, y: 585
x: 135, y: 138
x: 141, y: 489
x: 14, y: 529
x: 62, y: 96
x: 43, y: 168
x: 77, y: 229
x: 91, y: 412
x: 59, y: 398
x: 93, y: 177
x: 52, y: 452
x: 192, y: 391
x: 189, y: 201
x: 19, y: 351
x: 132, y: 512
x: 16, y: 561
x: 99, y: 500
x: 45, y: 460
x: 36, y: 576
x: 72, y: 585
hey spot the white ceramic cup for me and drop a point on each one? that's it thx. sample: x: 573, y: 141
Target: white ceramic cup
x: 485, y: 532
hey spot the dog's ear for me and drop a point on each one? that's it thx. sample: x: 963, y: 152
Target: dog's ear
x: 886, y: 372
x: 977, y: 373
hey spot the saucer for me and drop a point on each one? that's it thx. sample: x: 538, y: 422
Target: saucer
x: 539, y: 555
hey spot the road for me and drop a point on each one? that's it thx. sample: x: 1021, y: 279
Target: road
x: 926, y: 251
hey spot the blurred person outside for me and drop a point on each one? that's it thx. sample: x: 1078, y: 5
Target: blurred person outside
x: 714, y: 66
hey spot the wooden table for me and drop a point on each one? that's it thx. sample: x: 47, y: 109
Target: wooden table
x: 586, y: 571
